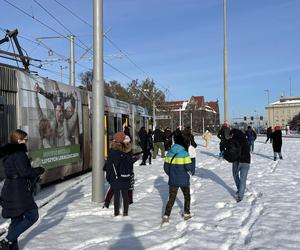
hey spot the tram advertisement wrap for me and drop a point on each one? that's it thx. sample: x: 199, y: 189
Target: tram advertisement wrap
x: 51, y: 115
x: 52, y: 158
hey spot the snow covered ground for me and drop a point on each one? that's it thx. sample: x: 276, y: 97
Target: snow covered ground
x: 267, y: 218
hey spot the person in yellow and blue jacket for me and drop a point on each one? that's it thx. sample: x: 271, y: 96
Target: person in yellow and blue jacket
x: 178, y: 166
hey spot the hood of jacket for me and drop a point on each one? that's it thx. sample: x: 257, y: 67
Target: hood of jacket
x: 176, y: 149
x: 123, y: 147
x: 12, y: 148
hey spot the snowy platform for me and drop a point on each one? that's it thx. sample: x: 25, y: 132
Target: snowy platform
x: 267, y: 218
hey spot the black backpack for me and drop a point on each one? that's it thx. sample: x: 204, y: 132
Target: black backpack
x: 232, y: 150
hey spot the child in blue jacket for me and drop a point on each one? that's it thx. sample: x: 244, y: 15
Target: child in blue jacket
x: 178, y: 166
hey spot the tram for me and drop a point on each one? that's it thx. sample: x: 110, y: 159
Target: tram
x: 58, y: 120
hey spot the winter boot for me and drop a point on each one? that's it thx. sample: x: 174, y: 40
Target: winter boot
x: 238, y: 199
x: 275, y: 158
x: 187, y: 216
x: 143, y: 163
x: 165, y: 219
x: 280, y: 157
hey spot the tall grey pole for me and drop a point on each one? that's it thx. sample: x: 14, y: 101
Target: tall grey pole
x: 154, y: 117
x: 192, y: 122
x: 72, y: 61
x: 98, y: 105
x: 225, y: 68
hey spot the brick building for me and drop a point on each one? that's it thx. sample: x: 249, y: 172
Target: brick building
x: 195, y: 113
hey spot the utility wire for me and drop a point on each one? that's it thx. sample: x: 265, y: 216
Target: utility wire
x: 108, y: 64
x: 42, y: 23
x: 56, y: 19
x: 74, y: 14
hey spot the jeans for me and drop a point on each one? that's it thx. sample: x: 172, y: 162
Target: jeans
x: 251, y: 145
x: 240, y: 172
x: 172, y: 198
x: 20, y: 224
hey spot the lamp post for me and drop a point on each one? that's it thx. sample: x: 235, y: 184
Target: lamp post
x: 268, y: 95
x: 71, y: 59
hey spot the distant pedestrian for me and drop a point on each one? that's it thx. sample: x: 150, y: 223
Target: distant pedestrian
x: 143, y: 136
x: 251, y: 137
x: 241, y: 167
x: 223, y: 135
x: 269, y: 134
x: 119, y: 169
x: 149, y: 145
x: 17, y: 193
x: 158, y: 143
x: 207, y: 136
x: 191, y: 144
x: 277, y: 142
x: 178, y: 166
x: 168, y: 138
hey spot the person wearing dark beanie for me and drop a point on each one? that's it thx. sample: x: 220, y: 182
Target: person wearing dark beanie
x: 177, y: 166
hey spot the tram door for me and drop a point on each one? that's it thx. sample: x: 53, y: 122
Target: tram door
x: 106, y: 135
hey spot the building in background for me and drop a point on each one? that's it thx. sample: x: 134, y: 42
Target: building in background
x: 283, y: 111
x: 195, y: 113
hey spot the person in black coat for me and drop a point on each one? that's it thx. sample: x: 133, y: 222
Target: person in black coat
x: 241, y: 167
x: 119, y: 169
x: 269, y: 134
x: 277, y: 142
x: 16, y: 196
x: 223, y: 135
x: 143, y: 136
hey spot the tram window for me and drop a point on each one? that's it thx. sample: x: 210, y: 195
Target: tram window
x: 111, y: 127
x: 119, y: 124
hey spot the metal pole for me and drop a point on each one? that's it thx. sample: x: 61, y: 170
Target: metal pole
x: 203, y: 124
x: 153, y: 107
x: 180, y: 118
x: 192, y: 122
x: 290, y: 86
x: 72, y: 61
x: 61, y: 73
x: 98, y: 105
x: 225, y: 67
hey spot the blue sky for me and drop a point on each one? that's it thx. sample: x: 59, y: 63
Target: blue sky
x: 177, y: 43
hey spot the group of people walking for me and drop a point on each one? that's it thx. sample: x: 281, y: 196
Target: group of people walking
x: 179, y: 164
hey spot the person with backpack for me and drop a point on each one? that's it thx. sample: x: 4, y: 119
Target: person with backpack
x: 251, y: 137
x: 223, y: 135
x: 237, y: 151
x: 178, y: 166
x: 17, y: 193
x: 119, y: 169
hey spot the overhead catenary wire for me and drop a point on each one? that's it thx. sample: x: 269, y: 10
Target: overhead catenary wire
x: 59, y: 22
x: 108, y: 39
x: 87, y: 49
x: 42, y: 23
